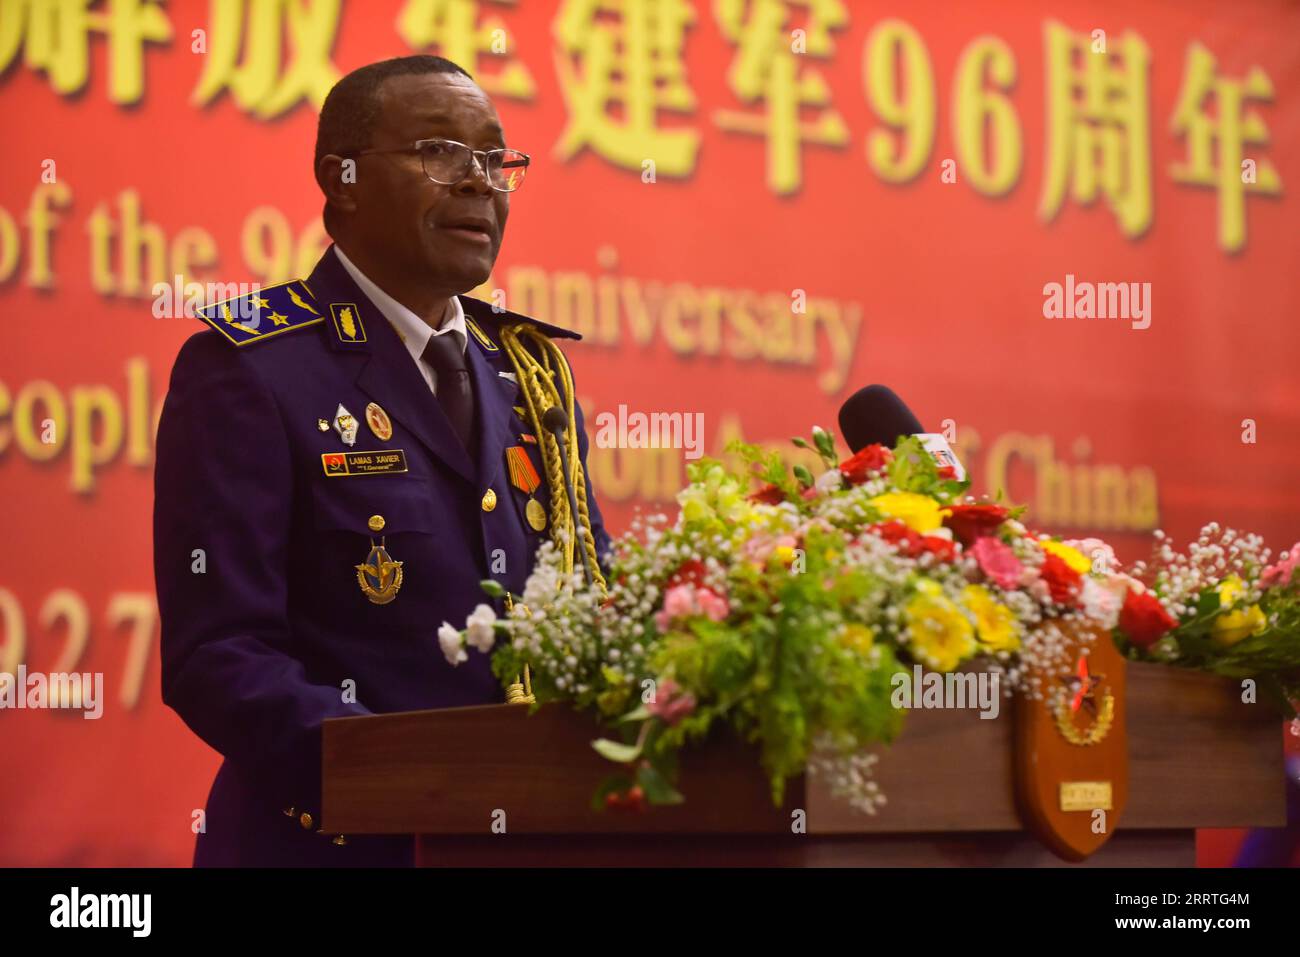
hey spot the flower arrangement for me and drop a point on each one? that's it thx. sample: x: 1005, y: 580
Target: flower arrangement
x: 782, y: 606
x: 1220, y: 607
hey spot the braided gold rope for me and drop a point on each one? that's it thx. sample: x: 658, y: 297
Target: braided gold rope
x: 537, y: 383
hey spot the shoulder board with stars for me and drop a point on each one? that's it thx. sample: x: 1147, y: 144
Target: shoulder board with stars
x: 264, y: 313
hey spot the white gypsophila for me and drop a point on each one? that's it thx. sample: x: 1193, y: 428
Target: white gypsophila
x: 848, y: 773
x: 452, y: 644
x: 480, y: 630
x: 830, y: 481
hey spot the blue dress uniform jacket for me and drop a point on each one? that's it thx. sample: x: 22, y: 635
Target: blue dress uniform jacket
x: 260, y: 524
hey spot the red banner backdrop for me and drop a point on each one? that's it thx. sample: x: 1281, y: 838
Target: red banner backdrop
x: 750, y: 208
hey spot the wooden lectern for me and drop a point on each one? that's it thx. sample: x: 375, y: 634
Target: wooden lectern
x: 1198, y: 757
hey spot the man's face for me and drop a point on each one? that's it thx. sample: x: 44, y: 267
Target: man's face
x: 414, y: 226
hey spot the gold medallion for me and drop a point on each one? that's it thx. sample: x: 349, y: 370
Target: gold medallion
x: 535, y: 514
x: 379, y: 576
x: 379, y: 422
x: 489, y: 500
x: 1082, y: 699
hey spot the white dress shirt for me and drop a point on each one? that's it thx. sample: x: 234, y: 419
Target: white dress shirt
x: 414, y: 332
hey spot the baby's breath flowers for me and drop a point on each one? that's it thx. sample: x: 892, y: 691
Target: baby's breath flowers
x: 779, y: 605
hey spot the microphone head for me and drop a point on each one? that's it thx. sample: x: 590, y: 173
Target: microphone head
x: 555, y: 419
x: 875, y: 415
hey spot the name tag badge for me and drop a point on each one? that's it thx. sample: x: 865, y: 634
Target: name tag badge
x: 383, y: 462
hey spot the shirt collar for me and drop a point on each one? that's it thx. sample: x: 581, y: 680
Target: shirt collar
x: 414, y: 332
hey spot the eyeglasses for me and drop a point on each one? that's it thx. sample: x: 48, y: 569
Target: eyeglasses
x: 447, y: 162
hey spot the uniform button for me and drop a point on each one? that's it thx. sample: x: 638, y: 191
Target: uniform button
x: 376, y: 523
x: 305, y: 821
x: 489, y: 500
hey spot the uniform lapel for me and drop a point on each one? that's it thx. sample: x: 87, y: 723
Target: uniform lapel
x: 493, y: 396
x: 387, y: 373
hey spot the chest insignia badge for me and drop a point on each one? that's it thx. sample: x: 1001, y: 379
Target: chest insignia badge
x: 524, y: 477
x: 379, y: 576
x: 345, y: 425
x: 379, y: 422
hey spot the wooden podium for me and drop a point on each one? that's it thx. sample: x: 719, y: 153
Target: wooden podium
x: 493, y: 785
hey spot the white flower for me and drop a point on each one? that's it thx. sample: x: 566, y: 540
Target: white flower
x: 832, y: 480
x: 479, y: 629
x: 453, y: 645
x: 1102, y: 601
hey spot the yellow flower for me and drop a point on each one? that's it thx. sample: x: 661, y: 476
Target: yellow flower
x: 715, y: 496
x: 857, y: 638
x: 1071, y: 556
x: 940, y: 634
x: 1231, y: 627
x: 995, y: 623
x: 920, y: 513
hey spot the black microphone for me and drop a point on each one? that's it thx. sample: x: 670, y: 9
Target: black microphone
x: 876, y: 415
x: 556, y: 421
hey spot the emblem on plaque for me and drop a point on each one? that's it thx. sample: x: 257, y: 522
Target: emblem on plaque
x: 1071, y: 745
x: 1082, y: 716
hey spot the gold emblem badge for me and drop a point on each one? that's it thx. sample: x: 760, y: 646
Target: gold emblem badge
x: 1081, y: 699
x: 347, y: 321
x: 345, y: 425
x: 489, y: 500
x: 323, y: 425
x: 379, y: 422
x: 379, y: 576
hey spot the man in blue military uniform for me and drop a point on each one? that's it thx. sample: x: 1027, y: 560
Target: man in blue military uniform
x: 343, y: 458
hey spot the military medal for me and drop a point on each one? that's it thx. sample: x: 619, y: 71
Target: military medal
x: 379, y: 422
x: 379, y: 576
x: 523, y: 476
x: 345, y: 425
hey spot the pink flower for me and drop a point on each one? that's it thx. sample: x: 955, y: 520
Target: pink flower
x: 997, y: 561
x: 759, y: 548
x: 671, y: 703
x: 713, y: 605
x: 683, y: 601
x: 1284, y: 571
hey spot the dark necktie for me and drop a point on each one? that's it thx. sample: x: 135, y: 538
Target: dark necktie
x: 454, y: 392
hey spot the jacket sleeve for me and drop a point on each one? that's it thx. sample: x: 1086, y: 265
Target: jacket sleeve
x: 603, y: 543
x: 223, y: 486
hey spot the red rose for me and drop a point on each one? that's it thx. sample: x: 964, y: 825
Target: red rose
x: 858, y: 468
x: 1144, y: 619
x: 911, y: 544
x: 768, y: 494
x: 969, y: 522
x: 944, y: 549
x: 1062, y: 580
x: 898, y: 535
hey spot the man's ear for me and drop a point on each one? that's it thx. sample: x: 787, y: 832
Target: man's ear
x: 337, y: 178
